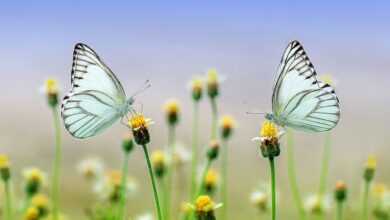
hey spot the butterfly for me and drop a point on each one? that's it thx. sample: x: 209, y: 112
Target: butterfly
x: 299, y: 100
x: 97, y: 99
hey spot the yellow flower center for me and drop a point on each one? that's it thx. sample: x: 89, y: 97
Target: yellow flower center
x: 379, y: 190
x: 172, y: 106
x: 371, y: 162
x: 196, y: 84
x: 51, y: 86
x: 269, y: 130
x: 227, y: 122
x: 212, y: 76
x: 40, y: 201
x: 4, y: 162
x: 211, y: 177
x: 34, y: 175
x: 204, y: 204
x: 32, y: 213
x: 115, y: 177
x: 158, y: 157
x: 138, y: 121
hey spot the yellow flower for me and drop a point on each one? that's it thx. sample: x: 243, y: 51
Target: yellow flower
x: 139, y: 125
x: 32, y: 213
x: 40, y: 201
x: 4, y: 161
x: 212, y: 83
x: 158, y: 157
x: 269, y: 130
x: 34, y: 175
x: 172, y: 110
x: 51, y: 87
x: 227, y: 125
x: 371, y: 162
x: 197, y: 88
x: 211, y: 178
x: 204, y: 204
x: 91, y: 168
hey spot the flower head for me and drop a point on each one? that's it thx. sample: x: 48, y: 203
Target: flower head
x: 205, y: 206
x: 51, y: 90
x: 32, y: 213
x: 172, y: 110
x: 5, y: 172
x: 127, y: 143
x: 91, y: 168
x: 159, y: 163
x: 109, y: 188
x: 227, y: 125
x: 212, y: 83
x: 196, y: 88
x: 260, y: 199
x: 41, y: 202
x: 269, y: 140
x: 211, y: 180
x: 370, y: 168
x: 181, y: 155
x: 34, y: 179
x: 213, y: 150
x: 340, y: 191
x: 139, y: 125
x: 317, y: 204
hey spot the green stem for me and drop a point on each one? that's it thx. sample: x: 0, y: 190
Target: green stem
x: 365, y: 200
x: 56, y: 164
x: 214, y: 110
x: 325, y: 166
x: 339, y: 210
x: 203, y: 177
x: 123, y: 198
x: 292, y: 176
x: 224, y: 186
x: 170, y: 173
x: 151, y: 174
x: 273, y: 187
x: 8, y: 200
x: 195, y: 150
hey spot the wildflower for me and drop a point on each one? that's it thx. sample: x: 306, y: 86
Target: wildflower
x: 269, y: 140
x: 213, y: 150
x: 212, y: 83
x: 381, y: 208
x: 159, y: 163
x: 205, y: 207
x: 109, y: 188
x: 172, y: 110
x: 340, y: 191
x: 4, y: 168
x: 41, y: 202
x: 51, y: 90
x: 181, y: 155
x: 317, y: 204
x: 32, y: 213
x: 127, y: 143
x: 260, y: 199
x: 139, y: 125
x: 211, y: 180
x: 34, y: 179
x: 197, y: 88
x: 379, y: 189
x: 91, y: 168
x: 227, y: 126
x: 370, y: 168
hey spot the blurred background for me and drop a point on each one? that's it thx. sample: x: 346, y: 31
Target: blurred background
x: 168, y: 42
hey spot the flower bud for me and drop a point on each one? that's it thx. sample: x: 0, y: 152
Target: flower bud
x: 213, y: 150
x: 51, y: 90
x: 205, y: 207
x: 340, y: 192
x: 5, y: 172
x: 139, y: 125
x: 227, y: 126
x: 211, y: 181
x: 196, y: 89
x: 172, y: 111
x: 127, y: 143
x: 269, y: 140
x: 159, y: 163
x: 370, y: 168
x: 212, y: 83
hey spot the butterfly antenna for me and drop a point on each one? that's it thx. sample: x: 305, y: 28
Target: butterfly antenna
x: 144, y: 87
x: 255, y: 113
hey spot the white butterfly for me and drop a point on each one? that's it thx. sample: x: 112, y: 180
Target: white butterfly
x: 299, y: 100
x: 97, y: 98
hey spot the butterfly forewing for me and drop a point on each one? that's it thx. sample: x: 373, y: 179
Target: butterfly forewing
x: 96, y: 97
x: 299, y: 100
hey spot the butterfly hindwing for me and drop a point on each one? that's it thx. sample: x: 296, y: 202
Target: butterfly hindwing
x: 96, y: 97
x: 299, y: 100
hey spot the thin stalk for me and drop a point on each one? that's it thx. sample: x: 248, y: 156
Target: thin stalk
x: 214, y: 119
x: 204, y: 174
x: 170, y: 173
x: 365, y: 200
x: 8, y: 200
x: 339, y: 210
x: 56, y: 164
x: 325, y: 166
x: 273, y: 186
x: 292, y: 176
x: 154, y: 186
x: 224, y: 183
x: 123, y: 199
x: 195, y: 150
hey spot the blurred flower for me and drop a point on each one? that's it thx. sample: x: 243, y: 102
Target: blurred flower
x: 196, y: 86
x: 5, y: 172
x: 32, y: 213
x: 181, y: 155
x: 205, y: 207
x: 139, y: 125
x: 127, y: 143
x: 261, y: 197
x: 159, y: 163
x: 316, y: 204
x: 146, y: 216
x: 186, y: 208
x: 340, y: 191
x: 370, y: 168
x: 328, y: 79
x: 379, y: 189
x: 41, y: 202
x: 91, y: 168
x: 51, y: 90
x: 34, y: 179
x: 213, y: 150
x: 172, y: 111
x: 212, y: 83
x: 227, y: 125
x: 269, y: 139
x: 211, y: 181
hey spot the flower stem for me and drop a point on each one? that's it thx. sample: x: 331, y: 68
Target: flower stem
x: 56, y: 164
x: 339, y: 210
x: 214, y: 110
x: 151, y: 174
x: 8, y: 200
x: 169, y: 178
x: 204, y: 174
x: 325, y: 166
x: 224, y: 186
x: 365, y: 200
x: 195, y: 150
x: 273, y: 187
x: 123, y: 195
x: 292, y: 176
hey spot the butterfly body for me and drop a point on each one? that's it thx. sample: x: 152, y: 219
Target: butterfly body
x: 97, y: 99
x: 299, y: 100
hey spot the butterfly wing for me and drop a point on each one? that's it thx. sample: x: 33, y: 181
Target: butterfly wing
x: 96, y: 98
x: 299, y: 100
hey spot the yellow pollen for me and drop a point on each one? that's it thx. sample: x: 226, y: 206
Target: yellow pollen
x: 269, y: 130
x: 51, y: 86
x: 204, y: 204
x: 371, y: 162
x: 138, y: 121
x: 4, y: 162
